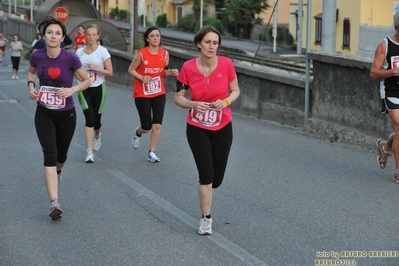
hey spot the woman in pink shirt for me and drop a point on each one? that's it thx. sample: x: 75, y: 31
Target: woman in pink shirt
x: 213, y: 87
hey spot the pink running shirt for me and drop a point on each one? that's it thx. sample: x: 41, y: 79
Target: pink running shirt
x: 217, y: 88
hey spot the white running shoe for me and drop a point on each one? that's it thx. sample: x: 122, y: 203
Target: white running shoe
x: 55, y: 210
x: 97, y: 142
x: 205, y: 227
x: 16, y: 77
x: 13, y: 77
x: 152, y: 157
x: 136, y: 140
x: 89, y: 157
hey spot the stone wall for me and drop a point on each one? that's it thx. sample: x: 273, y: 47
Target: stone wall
x: 344, y: 103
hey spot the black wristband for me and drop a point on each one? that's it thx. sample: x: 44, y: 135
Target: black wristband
x: 34, y: 84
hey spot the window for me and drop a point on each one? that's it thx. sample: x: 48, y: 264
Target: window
x: 346, y: 35
x: 318, y: 31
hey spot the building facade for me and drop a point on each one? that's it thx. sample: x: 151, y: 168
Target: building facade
x: 350, y: 16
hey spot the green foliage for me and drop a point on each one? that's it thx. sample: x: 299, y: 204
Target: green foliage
x: 141, y: 21
x: 161, y: 21
x: 114, y: 11
x: 262, y: 37
x: 290, y: 39
x: 280, y: 34
x: 239, y: 16
x: 187, y: 23
x: 26, y: 54
x: 258, y: 21
x: 212, y: 21
x: 123, y: 14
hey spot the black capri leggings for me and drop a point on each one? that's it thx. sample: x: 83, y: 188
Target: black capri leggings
x: 211, y: 152
x: 92, y: 101
x: 144, y: 107
x: 15, y: 62
x: 55, y: 130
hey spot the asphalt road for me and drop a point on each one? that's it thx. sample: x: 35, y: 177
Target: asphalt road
x: 287, y: 199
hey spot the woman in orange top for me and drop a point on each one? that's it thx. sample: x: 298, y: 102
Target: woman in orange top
x: 149, y: 68
x: 80, y: 38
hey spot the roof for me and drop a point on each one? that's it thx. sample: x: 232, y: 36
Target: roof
x: 178, y: 2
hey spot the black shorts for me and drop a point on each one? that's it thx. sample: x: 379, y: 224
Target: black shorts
x: 151, y: 110
x: 389, y: 103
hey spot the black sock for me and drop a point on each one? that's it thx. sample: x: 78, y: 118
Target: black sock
x: 137, y: 133
x: 207, y: 216
x: 58, y: 172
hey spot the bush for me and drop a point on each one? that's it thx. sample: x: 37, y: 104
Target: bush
x: 141, y: 21
x: 186, y: 23
x: 280, y: 34
x: 26, y: 54
x: 123, y: 14
x: 290, y: 39
x: 212, y: 21
x: 161, y: 21
x: 114, y: 11
x: 262, y: 37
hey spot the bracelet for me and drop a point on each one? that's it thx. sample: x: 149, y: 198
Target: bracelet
x: 72, y: 89
x: 34, y: 84
x: 227, y: 101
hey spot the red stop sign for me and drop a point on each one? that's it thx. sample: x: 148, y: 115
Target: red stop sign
x: 61, y: 14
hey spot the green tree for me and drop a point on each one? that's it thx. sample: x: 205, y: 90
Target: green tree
x: 239, y: 16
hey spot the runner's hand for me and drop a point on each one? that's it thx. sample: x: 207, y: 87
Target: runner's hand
x: 33, y: 94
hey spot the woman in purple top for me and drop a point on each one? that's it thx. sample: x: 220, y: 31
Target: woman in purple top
x: 55, y: 117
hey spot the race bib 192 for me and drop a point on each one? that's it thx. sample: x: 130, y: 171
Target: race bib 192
x: 153, y: 86
x: 48, y: 98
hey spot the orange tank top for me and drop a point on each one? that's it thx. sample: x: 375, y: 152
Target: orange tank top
x: 152, y: 65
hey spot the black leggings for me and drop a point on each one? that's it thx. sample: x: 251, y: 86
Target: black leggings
x: 211, y: 152
x: 55, y: 130
x: 144, y: 107
x: 92, y: 101
x: 15, y: 62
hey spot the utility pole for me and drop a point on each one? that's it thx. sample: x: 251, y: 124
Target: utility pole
x: 132, y: 33
x: 201, y: 12
x: 299, y: 33
x: 328, y: 28
x: 307, y: 80
x: 275, y: 25
x: 154, y: 11
x: 136, y: 25
x: 31, y: 10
